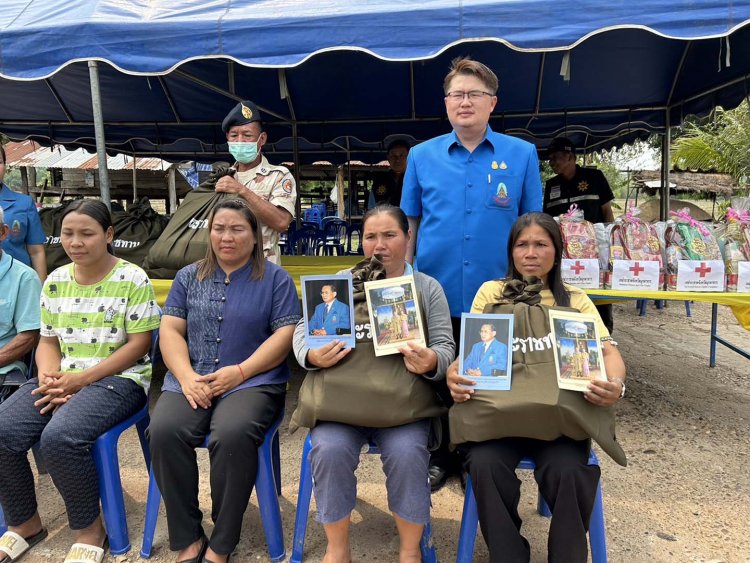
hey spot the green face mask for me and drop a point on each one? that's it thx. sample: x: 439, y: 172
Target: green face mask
x: 244, y: 153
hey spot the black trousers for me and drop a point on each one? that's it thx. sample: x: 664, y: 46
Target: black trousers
x: 605, y: 312
x: 237, y: 424
x: 566, y: 482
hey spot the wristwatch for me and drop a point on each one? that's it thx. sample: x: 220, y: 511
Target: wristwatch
x: 622, y: 384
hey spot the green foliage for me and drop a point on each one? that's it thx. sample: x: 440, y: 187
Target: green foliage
x: 722, y: 144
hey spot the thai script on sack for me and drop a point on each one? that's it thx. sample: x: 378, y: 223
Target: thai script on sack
x: 120, y: 243
x: 360, y: 333
x: 532, y: 344
x: 198, y: 223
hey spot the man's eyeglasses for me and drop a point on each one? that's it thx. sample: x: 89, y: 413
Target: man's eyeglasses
x: 473, y: 95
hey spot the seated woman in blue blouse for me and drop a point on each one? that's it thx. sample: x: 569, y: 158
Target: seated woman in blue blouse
x: 225, y: 334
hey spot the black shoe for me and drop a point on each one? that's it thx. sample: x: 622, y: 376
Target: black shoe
x: 437, y: 476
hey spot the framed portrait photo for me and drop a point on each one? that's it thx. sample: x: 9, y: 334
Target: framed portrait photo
x: 328, y: 309
x: 486, y: 350
x: 577, y: 349
x: 395, y: 317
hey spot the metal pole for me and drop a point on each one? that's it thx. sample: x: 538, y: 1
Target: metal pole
x: 665, y: 166
x: 101, y: 153
x: 135, y: 178
x: 297, y: 174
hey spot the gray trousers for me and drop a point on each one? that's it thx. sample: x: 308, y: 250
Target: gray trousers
x: 65, y: 441
x: 403, y: 449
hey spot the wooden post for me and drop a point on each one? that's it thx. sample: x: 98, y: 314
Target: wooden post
x: 24, y: 180
x: 172, y: 189
x: 340, y: 192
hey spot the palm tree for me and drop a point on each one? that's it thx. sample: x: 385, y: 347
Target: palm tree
x: 721, y: 145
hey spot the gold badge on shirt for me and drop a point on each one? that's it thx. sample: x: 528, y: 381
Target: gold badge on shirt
x: 583, y: 185
x: 494, y: 165
x: 503, y: 166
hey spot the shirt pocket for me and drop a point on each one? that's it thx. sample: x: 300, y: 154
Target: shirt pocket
x: 6, y: 315
x: 503, y: 192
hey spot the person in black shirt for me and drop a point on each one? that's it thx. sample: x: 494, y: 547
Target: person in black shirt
x: 386, y: 186
x: 585, y: 187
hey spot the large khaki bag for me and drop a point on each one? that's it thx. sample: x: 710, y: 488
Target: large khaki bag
x: 185, y: 238
x: 535, y: 407
x: 362, y: 389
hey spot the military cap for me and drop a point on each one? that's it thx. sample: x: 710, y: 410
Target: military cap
x: 244, y: 112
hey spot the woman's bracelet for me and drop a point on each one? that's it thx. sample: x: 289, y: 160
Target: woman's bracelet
x: 242, y: 373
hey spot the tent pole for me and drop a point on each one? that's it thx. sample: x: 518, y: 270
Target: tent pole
x: 135, y: 178
x: 297, y: 173
x: 665, y: 166
x: 101, y: 153
x: 172, y: 189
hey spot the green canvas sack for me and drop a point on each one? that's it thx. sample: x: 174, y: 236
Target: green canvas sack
x: 362, y: 389
x: 535, y: 407
x: 136, y: 230
x: 185, y: 238
x: 51, y: 218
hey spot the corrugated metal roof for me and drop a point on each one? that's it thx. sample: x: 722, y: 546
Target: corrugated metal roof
x: 27, y: 153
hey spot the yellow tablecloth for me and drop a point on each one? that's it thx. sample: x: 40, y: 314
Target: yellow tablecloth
x: 318, y: 265
x: 739, y: 302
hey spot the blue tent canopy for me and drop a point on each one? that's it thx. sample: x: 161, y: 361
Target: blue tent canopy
x: 347, y: 76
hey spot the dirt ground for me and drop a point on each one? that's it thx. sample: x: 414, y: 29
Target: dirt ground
x: 684, y: 497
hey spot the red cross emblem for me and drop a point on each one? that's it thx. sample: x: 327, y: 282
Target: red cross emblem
x: 703, y: 270
x: 637, y: 269
x: 577, y: 267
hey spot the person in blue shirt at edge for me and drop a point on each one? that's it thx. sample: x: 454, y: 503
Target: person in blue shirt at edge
x: 489, y: 356
x: 330, y: 315
x: 462, y: 192
x: 26, y: 238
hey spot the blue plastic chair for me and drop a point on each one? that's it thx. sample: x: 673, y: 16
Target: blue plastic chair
x: 350, y: 232
x: 333, y: 233
x: 306, y: 238
x: 267, y: 487
x: 104, y: 452
x: 312, y: 215
x: 426, y: 546
x: 110, y: 486
x: 470, y: 520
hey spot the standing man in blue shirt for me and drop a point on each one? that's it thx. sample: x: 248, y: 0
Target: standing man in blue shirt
x: 462, y: 192
x: 26, y: 238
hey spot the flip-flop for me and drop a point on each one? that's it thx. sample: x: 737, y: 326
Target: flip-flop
x: 209, y: 561
x: 86, y: 553
x: 198, y: 558
x: 14, y: 546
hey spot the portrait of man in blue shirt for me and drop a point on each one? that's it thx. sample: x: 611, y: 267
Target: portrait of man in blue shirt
x: 331, y: 316
x: 489, y: 356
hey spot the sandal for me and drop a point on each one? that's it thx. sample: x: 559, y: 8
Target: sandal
x: 198, y: 558
x: 85, y: 553
x: 14, y: 546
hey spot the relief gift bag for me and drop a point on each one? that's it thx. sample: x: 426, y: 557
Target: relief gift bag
x: 51, y: 218
x: 185, y: 238
x: 362, y: 389
x: 136, y: 230
x: 535, y: 407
